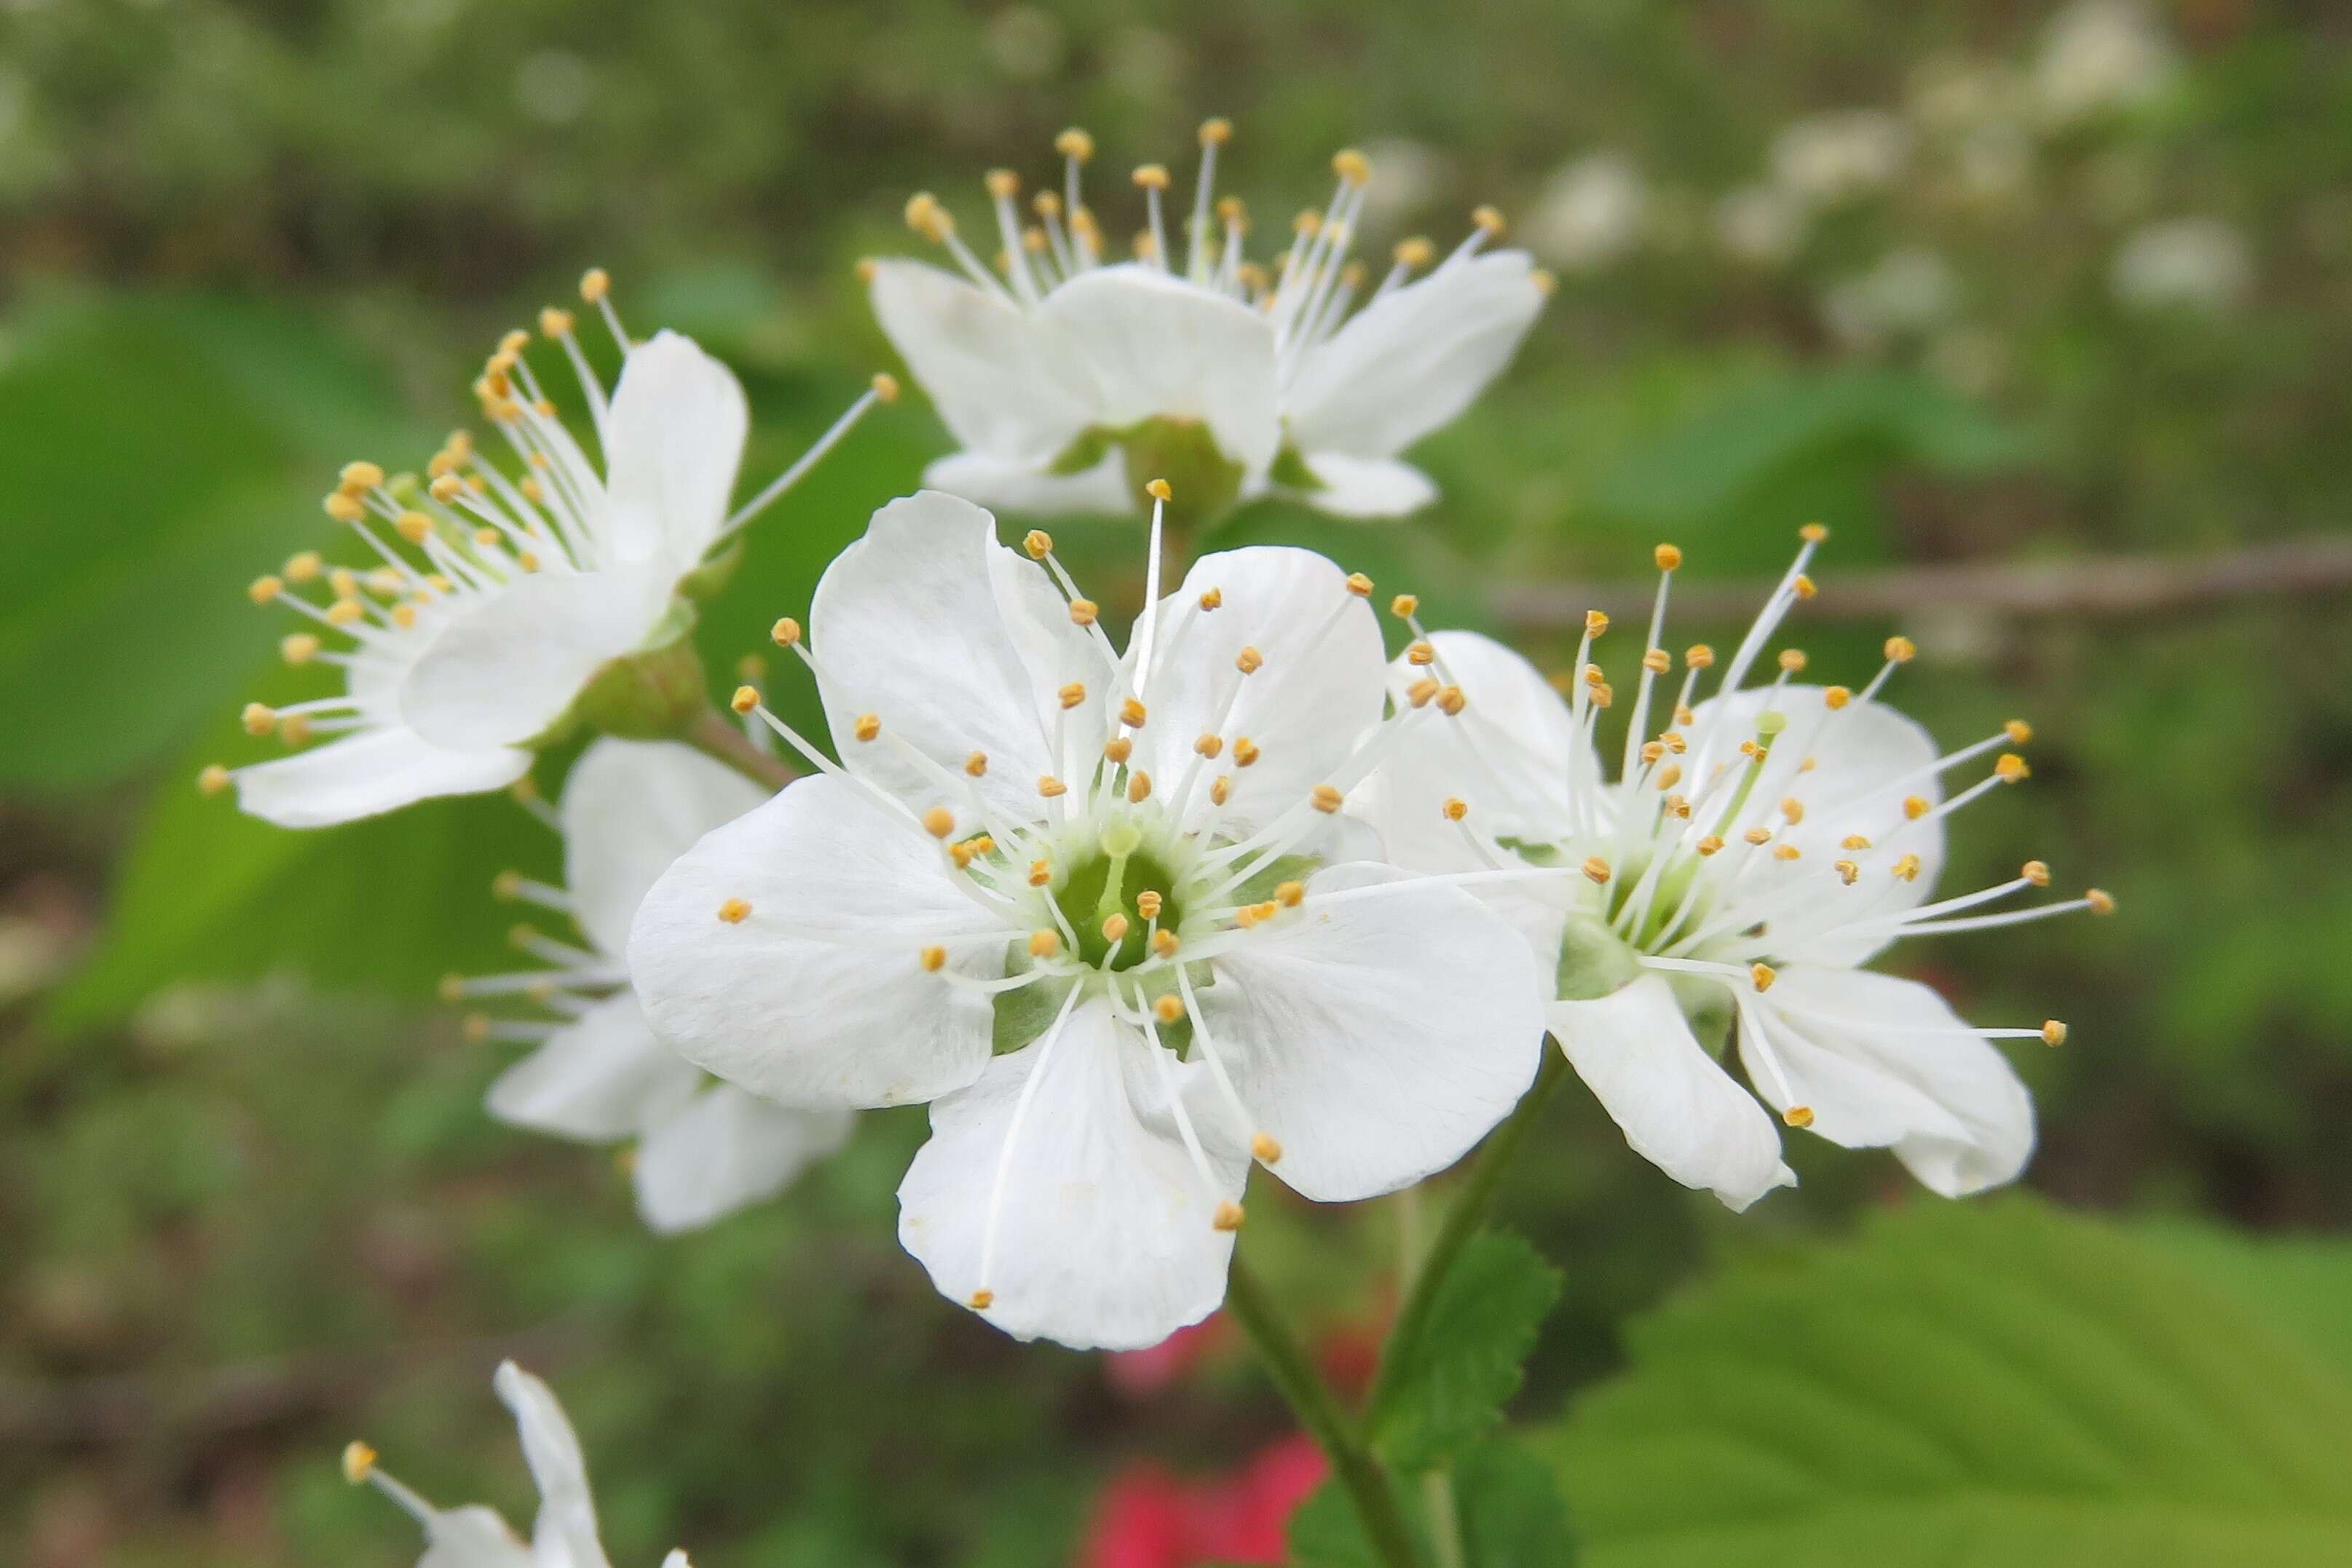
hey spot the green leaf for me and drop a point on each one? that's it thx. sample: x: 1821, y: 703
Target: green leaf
x: 1511, y: 1512
x: 1324, y: 1531
x: 1453, y: 1378
x: 1985, y: 1383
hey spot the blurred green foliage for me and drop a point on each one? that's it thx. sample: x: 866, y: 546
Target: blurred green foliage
x: 248, y: 1202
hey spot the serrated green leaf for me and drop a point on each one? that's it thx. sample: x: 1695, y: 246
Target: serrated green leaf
x: 1990, y: 1384
x: 1452, y: 1379
x: 1510, y: 1510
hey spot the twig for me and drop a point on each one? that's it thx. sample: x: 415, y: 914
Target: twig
x: 2114, y: 588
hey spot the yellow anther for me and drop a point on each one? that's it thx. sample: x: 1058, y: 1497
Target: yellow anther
x: 304, y: 566
x: 1414, y: 254
x: 1290, y: 894
x: 735, y: 911
x: 2010, y: 768
x: 1359, y: 585
x: 1758, y: 836
x: 1709, y: 845
x: 1653, y: 749
x: 258, y: 718
x: 1002, y: 183
x: 1148, y: 903
x: 1595, y: 622
x: 1233, y: 213
x: 939, y: 821
x: 526, y: 560
x: 1049, y: 786
x: 1596, y: 869
x: 1916, y: 807
x: 265, y: 588
x: 1404, y: 606
x: 1245, y: 751
x: 1670, y: 774
x: 1794, y: 809
x: 294, y: 730
x: 532, y: 490
x: 1697, y: 656
x: 1265, y: 1148
x: 1168, y: 1009
x: 745, y: 699
x: 1451, y: 701
x: 359, y: 1461
x: 1139, y: 786
x: 1084, y: 611
x: 1217, y: 132
x: 868, y: 727
x: 414, y: 527
x: 1351, y: 166
x: 1848, y: 872
x: 934, y: 959
x: 928, y: 218
x: 1763, y: 975
x: 866, y: 270
x: 981, y: 1301
x: 343, y: 509
x: 1045, y: 944
x: 2018, y: 731
x: 2100, y: 901
x: 507, y: 886
x: 1902, y: 649
x: 1544, y: 280
x: 343, y: 612
x: 1420, y: 654
x: 1489, y: 219
x: 1073, y: 694
x: 1799, y: 1116
x: 445, y: 489
x: 594, y: 284
x: 1657, y: 660
x: 976, y: 764
x: 1792, y: 659
x: 213, y: 780
x: 1075, y: 143
x: 2035, y: 871
x: 1854, y: 841
x: 2053, y: 1031
x: 1325, y: 798
x: 555, y: 323
x: 1040, y: 872
x: 1165, y: 943
x: 1421, y: 691
x: 1834, y: 697
x: 1455, y: 808
x: 1787, y: 853
x: 1228, y: 1216
x: 357, y: 477
x: 1221, y: 790
x: 1114, y: 927
x: 1131, y: 713
x: 1249, y: 661
x: 1214, y: 599
x: 1118, y: 749
x: 784, y: 633
x: 1907, y: 868
x: 1307, y: 226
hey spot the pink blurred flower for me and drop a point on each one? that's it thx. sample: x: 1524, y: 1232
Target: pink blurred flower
x: 1148, y: 1518
x: 1138, y: 1374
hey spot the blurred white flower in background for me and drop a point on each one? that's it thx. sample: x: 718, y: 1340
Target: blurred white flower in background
x: 2198, y: 264
x: 1910, y: 290
x: 2100, y: 54
x: 1025, y: 43
x: 1414, y: 175
x: 1590, y: 214
x: 1827, y: 159
x: 554, y: 86
x: 1762, y: 224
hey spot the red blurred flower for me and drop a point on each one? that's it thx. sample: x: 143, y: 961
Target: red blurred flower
x: 1148, y: 1519
x: 1138, y: 1374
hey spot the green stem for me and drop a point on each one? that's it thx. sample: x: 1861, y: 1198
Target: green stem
x: 1469, y: 1211
x: 709, y: 733
x: 1318, y: 1411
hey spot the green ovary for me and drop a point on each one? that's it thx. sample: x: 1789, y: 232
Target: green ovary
x: 1101, y: 886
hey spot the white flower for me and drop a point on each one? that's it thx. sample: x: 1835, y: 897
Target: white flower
x: 1827, y: 159
x: 1590, y: 214
x: 1753, y: 852
x: 2196, y: 263
x: 500, y: 591
x: 1101, y: 910
x: 1762, y: 224
x: 2099, y: 54
x: 475, y: 1536
x: 1071, y: 381
x: 703, y: 1150
x: 1910, y: 291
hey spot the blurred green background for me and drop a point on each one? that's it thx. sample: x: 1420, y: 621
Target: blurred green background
x: 1969, y: 282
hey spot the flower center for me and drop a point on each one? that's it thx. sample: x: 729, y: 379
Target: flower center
x: 1115, y: 897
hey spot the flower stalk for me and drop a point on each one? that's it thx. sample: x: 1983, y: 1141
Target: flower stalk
x: 709, y: 733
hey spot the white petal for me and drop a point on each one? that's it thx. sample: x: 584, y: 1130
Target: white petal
x: 673, y: 442
x: 1676, y: 1105
x: 1103, y: 1232
x: 958, y: 645
x: 1377, y: 1036
x: 366, y: 773
x: 600, y: 1077
x: 473, y: 1536
x: 1367, y: 487
x: 1882, y: 1062
x: 507, y: 668
x: 567, y: 1515
x: 1866, y: 758
x: 629, y: 809
x: 1005, y: 384
x: 1317, y: 691
x: 818, y: 996
x: 1408, y: 365
x: 1030, y: 489
x: 727, y: 1150
x: 1160, y: 347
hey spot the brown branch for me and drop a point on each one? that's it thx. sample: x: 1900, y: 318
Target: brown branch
x: 2115, y: 587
